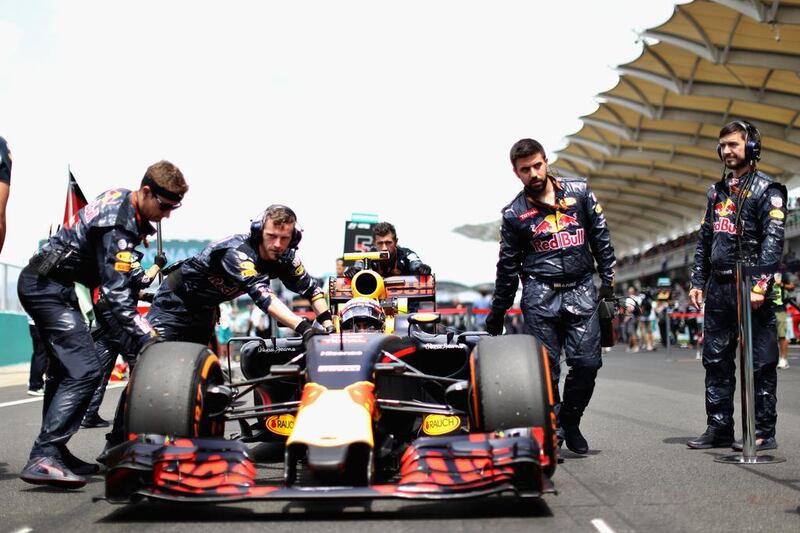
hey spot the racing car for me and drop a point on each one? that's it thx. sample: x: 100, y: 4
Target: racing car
x: 386, y: 407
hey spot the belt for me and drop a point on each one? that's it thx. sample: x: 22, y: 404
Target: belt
x: 558, y: 284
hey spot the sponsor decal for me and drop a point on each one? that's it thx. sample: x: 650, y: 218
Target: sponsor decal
x: 143, y: 324
x: 329, y: 353
x: 91, y: 211
x: 248, y: 273
x: 529, y: 213
x: 338, y: 368
x: 430, y: 346
x: 122, y: 267
x: 296, y: 262
x: 299, y: 271
x: 726, y: 208
x: 554, y: 223
x: 777, y: 214
x: 598, y: 209
x: 281, y: 425
x: 246, y: 265
x: 125, y: 257
x: 412, y: 257
x: 242, y: 256
x: 355, y: 339
x: 440, y: 424
x: 248, y: 269
x: 568, y: 201
x: 122, y: 244
x: 562, y: 239
x: 110, y: 196
x: 776, y: 201
x: 724, y: 225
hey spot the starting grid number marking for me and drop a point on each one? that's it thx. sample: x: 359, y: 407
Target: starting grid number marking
x: 41, y: 398
x: 601, y: 526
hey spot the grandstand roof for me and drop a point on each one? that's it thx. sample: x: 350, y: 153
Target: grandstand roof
x: 649, y: 150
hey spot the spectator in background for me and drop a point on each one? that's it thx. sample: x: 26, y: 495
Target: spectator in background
x: 632, y: 314
x: 646, y: 321
x: 780, y: 317
x: 484, y: 303
x: 5, y: 186
x: 339, y: 267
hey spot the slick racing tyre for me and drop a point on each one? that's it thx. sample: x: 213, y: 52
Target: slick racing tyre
x: 510, y: 380
x: 169, y: 392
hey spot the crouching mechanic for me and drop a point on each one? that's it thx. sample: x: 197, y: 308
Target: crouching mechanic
x: 551, y: 235
x: 95, y: 250
x: 401, y: 262
x: 186, y: 305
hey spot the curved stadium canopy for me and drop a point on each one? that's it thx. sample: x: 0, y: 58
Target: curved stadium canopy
x: 649, y: 150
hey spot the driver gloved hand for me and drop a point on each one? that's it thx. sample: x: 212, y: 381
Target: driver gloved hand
x: 424, y: 270
x: 352, y: 271
x: 494, y: 322
x: 160, y: 260
x: 606, y: 292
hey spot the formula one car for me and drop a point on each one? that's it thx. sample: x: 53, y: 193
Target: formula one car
x: 371, y: 411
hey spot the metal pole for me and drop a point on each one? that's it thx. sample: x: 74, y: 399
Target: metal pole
x: 668, y: 330
x: 744, y: 315
x: 159, y: 247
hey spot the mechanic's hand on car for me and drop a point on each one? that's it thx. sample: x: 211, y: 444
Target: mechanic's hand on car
x: 160, y: 260
x: 306, y: 330
x: 352, y: 271
x: 494, y: 323
x: 606, y: 292
x: 424, y: 270
x: 149, y: 340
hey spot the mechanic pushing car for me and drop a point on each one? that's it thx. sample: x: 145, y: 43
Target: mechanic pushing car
x: 745, y: 214
x: 401, y: 262
x: 95, y: 250
x: 551, y: 235
x: 186, y: 305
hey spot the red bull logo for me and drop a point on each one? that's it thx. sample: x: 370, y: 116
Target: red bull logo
x: 554, y: 223
x: 724, y: 225
x: 562, y: 239
x: 726, y: 208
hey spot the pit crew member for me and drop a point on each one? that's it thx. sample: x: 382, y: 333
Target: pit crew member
x: 401, y: 262
x: 552, y: 234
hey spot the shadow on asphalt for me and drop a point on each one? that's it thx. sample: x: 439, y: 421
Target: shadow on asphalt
x: 678, y: 440
x: 494, y: 507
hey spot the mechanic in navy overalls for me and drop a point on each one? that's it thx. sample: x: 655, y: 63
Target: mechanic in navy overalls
x: 745, y: 215
x: 96, y: 251
x: 5, y: 186
x: 401, y: 262
x: 551, y: 235
x: 186, y: 305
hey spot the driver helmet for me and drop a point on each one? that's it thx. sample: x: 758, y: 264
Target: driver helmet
x: 361, y: 314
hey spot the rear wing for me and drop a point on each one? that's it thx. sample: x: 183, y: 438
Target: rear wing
x: 416, y: 288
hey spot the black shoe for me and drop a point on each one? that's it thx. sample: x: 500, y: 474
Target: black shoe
x: 710, y: 439
x: 78, y: 466
x: 51, y: 471
x: 761, y: 444
x: 574, y: 439
x: 95, y: 421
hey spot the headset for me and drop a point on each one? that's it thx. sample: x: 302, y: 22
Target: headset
x: 752, y: 142
x: 257, y: 226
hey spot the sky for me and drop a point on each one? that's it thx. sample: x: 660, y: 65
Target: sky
x: 402, y: 109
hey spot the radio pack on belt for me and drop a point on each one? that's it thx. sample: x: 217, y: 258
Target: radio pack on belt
x: 45, y: 262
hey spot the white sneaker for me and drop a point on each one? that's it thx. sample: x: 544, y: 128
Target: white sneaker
x: 35, y: 392
x: 783, y: 363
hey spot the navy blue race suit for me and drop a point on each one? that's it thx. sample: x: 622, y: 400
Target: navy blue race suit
x: 110, y: 338
x: 96, y: 250
x: 5, y: 162
x: 553, y: 249
x: 186, y: 304
x: 762, y: 216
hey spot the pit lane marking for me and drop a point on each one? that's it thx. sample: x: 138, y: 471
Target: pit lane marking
x: 24, y: 530
x: 41, y: 398
x: 601, y: 526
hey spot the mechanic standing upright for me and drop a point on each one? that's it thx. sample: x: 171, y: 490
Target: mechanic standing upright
x: 745, y: 214
x: 95, y: 250
x: 551, y: 235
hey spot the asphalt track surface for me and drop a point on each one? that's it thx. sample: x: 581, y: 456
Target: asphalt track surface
x: 638, y: 476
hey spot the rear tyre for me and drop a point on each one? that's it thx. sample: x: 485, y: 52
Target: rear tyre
x: 168, y: 391
x: 511, y: 388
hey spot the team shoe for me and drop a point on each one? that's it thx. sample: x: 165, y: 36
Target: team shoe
x: 574, y: 440
x: 783, y: 363
x: 35, y: 392
x: 761, y: 444
x: 95, y: 421
x: 710, y: 439
x: 78, y: 466
x: 51, y: 471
